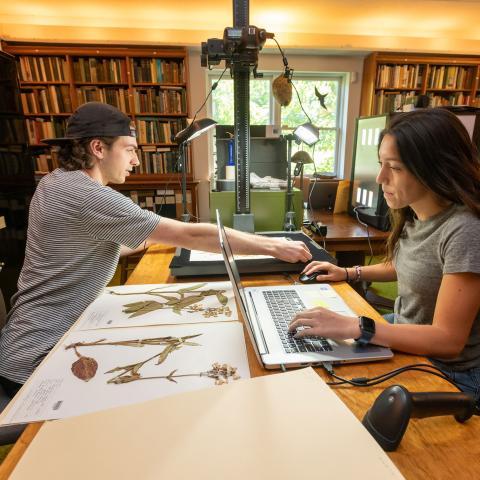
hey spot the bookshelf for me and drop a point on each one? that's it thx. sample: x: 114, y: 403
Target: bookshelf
x: 17, y: 181
x: 149, y: 84
x: 391, y: 80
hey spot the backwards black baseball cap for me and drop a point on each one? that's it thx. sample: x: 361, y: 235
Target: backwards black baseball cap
x: 95, y: 119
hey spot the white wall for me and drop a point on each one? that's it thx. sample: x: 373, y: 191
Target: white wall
x: 270, y: 61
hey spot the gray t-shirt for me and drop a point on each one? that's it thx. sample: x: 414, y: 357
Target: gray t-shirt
x: 76, y: 227
x: 448, y: 242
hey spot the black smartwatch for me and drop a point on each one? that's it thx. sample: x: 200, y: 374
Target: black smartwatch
x: 367, y: 330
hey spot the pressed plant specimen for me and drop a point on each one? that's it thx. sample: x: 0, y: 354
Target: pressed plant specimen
x: 186, y: 299
x: 85, y: 368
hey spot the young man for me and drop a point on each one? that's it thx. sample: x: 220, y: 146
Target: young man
x: 78, y: 228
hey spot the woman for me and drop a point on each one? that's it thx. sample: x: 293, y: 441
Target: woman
x: 430, y: 176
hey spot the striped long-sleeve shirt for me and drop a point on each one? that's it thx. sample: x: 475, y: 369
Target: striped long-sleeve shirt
x: 76, y: 227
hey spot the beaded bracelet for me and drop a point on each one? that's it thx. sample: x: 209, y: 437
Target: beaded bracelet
x: 347, y: 278
x: 358, y: 273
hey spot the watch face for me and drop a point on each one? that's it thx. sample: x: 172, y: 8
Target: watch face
x: 367, y: 325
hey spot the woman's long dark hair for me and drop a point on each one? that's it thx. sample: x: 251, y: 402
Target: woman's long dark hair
x: 436, y: 148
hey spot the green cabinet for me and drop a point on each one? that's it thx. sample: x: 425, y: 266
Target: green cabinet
x: 267, y: 206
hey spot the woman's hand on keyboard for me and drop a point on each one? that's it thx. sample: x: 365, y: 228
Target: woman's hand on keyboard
x: 321, y: 322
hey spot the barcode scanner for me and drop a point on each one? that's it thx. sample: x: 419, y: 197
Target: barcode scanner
x: 388, y: 418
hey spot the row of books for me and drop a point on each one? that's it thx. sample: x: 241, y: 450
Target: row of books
x: 165, y: 202
x: 118, y: 97
x: 9, y: 100
x: 92, y: 69
x: 38, y: 128
x: 165, y: 100
x: 12, y: 131
x: 42, y: 69
x: 399, y: 76
x: 457, y: 98
x: 159, y: 160
x: 12, y: 162
x: 46, y: 162
x: 48, y: 99
x: 15, y: 209
x: 450, y: 77
x: 387, y: 102
x: 155, y: 70
x: 153, y: 130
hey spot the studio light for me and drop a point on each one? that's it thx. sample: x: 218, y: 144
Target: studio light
x: 194, y: 130
x: 307, y: 133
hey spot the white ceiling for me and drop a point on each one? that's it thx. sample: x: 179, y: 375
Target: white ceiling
x: 336, y: 25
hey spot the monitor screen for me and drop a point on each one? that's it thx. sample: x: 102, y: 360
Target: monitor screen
x: 365, y: 192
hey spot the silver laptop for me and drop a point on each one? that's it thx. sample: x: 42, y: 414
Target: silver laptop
x: 267, y: 311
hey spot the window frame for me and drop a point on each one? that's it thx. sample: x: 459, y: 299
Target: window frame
x: 275, y: 108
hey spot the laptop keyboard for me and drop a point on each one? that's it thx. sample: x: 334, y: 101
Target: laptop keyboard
x: 283, y: 305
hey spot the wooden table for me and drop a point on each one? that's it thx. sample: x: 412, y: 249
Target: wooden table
x: 347, y: 238
x: 432, y: 448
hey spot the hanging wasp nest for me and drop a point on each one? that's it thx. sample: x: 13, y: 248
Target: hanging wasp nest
x: 282, y: 90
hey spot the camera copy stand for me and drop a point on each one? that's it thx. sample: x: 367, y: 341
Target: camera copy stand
x: 289, y: 225
x: 239, y: 48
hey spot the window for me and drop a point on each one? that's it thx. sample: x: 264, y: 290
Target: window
x: 260, y: 108
x: 264, y: 110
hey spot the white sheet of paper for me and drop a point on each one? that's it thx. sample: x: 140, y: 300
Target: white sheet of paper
x: 285, y: 426
x: 108, y: 309
x: 54, y: 392
x: 199, y: 256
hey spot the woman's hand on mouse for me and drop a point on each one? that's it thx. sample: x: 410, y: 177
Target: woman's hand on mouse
x: 322, y: 322
x: 331, y: 273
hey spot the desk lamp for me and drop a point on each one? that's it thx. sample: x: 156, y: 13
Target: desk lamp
x: 194, y: 130
x: 306, y: 133
x: 300, y: 159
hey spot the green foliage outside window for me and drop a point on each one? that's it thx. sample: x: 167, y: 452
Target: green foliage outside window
x: 324, y: 151
x: 222, y: 102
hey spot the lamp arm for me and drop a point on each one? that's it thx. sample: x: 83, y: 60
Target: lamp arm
x: 181, y: 152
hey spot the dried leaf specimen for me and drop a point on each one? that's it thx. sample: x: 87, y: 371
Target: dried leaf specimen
x: 184, y: 299
x: 86, y: 367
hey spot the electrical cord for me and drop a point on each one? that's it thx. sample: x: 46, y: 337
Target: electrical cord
x: 212, y: 88
x: 289, y: 75
x: 368, y: 232
x: 368, y: 382
x: 300, y: 101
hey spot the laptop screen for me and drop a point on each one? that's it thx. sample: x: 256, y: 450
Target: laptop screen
x: 234, y: 276
x: 230, y: 263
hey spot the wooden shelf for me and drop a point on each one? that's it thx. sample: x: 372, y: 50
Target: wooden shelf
x: 422, y: 70
x: 67, y: 62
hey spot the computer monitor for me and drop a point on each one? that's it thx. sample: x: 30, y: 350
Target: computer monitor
x: 366, y: 197
x: 470, y: 117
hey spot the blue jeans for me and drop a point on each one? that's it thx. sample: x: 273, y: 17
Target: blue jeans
x: 468, y: 381
x: 389, y: 317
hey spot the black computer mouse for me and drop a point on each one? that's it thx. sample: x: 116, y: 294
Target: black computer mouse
x: 312, y: 277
